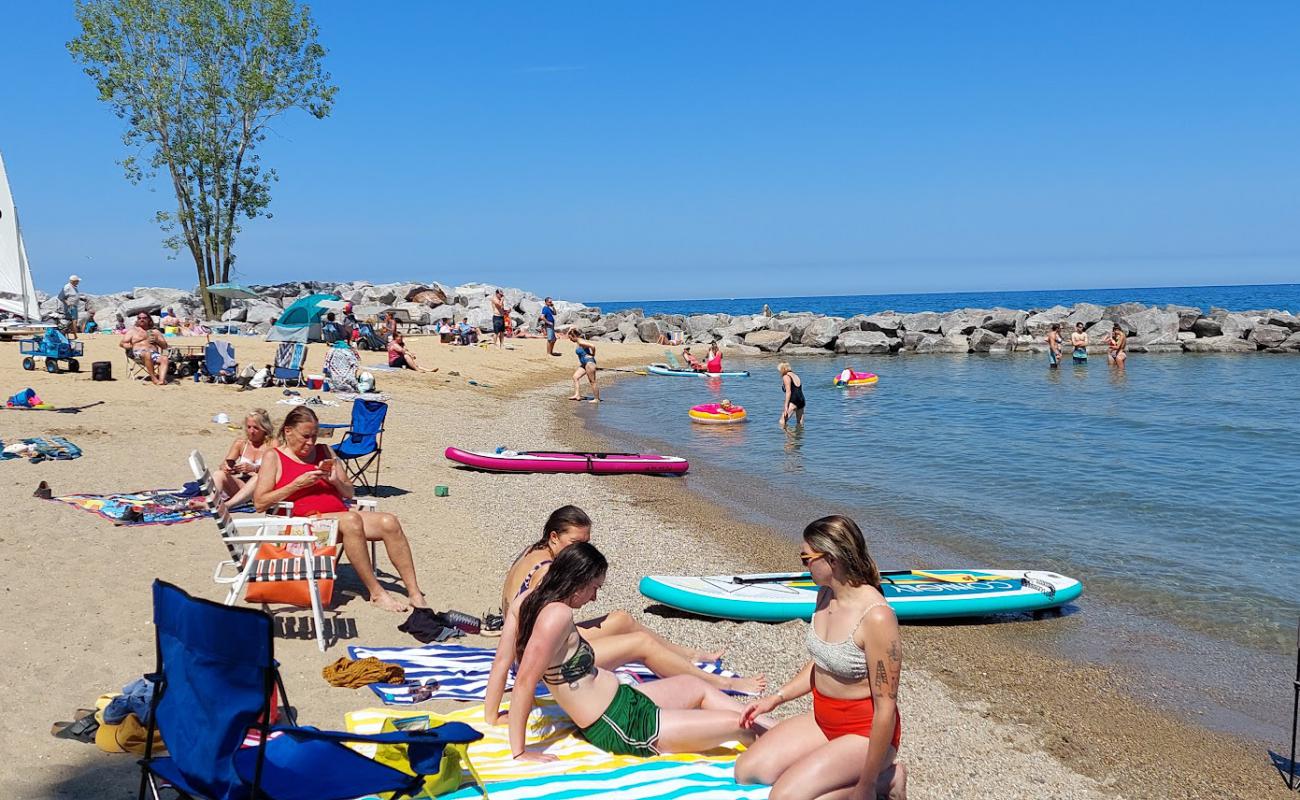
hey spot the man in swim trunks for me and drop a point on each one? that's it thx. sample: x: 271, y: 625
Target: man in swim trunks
x: 499, y: 317
x: 1079, y: 341
x: 1054, y: 345
x: 1118, y: 352
x: 146, y: 345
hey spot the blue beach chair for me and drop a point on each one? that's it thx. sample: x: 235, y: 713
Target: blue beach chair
x: 219, y: 363
x: 289, y: 358
x: 215, y: 683
x: 362, y: 444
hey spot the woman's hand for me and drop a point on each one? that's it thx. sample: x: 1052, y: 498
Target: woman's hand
x: 306, y: 480
x: 538, y: 757
x: 761, y: 706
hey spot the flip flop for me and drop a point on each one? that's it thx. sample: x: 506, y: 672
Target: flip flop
x: 82, y: 729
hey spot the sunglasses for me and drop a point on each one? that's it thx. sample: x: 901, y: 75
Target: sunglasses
x: 806, y: 560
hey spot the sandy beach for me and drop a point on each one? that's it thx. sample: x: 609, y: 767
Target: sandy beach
x: 984, y: 713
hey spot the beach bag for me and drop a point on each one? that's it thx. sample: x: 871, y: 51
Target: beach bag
x: 454, y: 756
x: 280, y: 574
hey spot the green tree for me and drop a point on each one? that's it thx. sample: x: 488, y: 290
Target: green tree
x: 198, y: 82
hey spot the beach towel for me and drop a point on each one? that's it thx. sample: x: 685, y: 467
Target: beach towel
x: 54, y: 448
x: 461, y: 672
x: 581, y: 770
x: 148, y: 507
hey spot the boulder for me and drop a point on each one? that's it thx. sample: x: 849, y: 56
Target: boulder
x: 982, y: 340
x: 1157, y: 342
x: 794, y: 326
x: 1087, y: 313
x: 479, y: 317
x: 767, y: 341
x: 1037, y: 324
x: 418, y: 312
x: 821, y: 332
x: 1186, y: 336
x: 445, y: 311
x: 1207, y: 327
x: 165, y: 296
x: 1284, y: 319
x: 887, y: 323
x: 144, y: 304
x: 1187, y: 316
x: 697, y: 324
x: 649, y: 330
x: 747, y: 323
x: 1269, y: 335
x: 1121, y: 310
x: 922, y: 322
x: 864, y: 343
x: 1150, y: 321
x: 1238, y: 325
x: 935, y: 343
x: 106, y: 319
x: 957, y: 322
x: 629, y: 330
x: 736, y: 348
x: 1005, y: 321
x: 805, y: 350
x: 260, y: 311
x: 383, y: 295
x: 1219, y: 344
x: 530, y: 307
x: 912, y: 338
x: 234, y: 315
x: 1292, y: 343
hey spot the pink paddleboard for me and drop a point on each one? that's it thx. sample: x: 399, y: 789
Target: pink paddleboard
x: 546, y: 461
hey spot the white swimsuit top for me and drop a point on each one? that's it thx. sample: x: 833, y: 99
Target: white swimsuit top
x: 844, y: 660
x: 244, y: 459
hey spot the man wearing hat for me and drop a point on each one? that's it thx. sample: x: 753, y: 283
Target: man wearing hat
x: 70, y: 297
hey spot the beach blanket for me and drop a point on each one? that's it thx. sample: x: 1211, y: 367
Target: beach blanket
x: 348, y: 397
x: 461, y: 671
x: 580, y: 770
x: 154, y: 506
x: 54, y: 448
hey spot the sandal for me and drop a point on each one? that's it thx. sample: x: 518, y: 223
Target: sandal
x: 82, y: 729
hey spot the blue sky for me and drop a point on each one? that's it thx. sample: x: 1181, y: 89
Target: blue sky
x: 606, y: 151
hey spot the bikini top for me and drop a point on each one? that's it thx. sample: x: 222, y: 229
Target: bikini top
x: 244, y: 459
x: 844, y: 660
x: 574, y: 668
x: 528, y: 579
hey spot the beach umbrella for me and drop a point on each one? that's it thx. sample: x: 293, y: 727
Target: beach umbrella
x: 300, y: 322
x: 232, y: 291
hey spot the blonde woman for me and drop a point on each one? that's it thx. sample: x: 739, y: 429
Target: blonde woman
x: 846, y: 746
x: 792, y: 385
x: 244, y: 459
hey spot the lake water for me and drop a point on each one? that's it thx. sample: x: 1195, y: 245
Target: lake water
x: 1285, y: 297
x: 1169, y: 490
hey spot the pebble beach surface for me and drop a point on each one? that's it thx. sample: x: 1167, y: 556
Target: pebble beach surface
x: 983, y: 714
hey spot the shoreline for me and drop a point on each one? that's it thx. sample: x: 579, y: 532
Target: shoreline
x: 1088, y: 716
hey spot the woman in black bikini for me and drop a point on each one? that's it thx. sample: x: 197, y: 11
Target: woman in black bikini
x: 794, y: 400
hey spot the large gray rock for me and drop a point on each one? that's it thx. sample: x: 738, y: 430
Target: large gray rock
x: 1219, y: 344
x: 1292, y: 343
x: 530, y: 307
x: 146, y: 304
x: 479, y: 317
x: 1038, y: 323
x: 234, y: 315
x: 864, y: 343
x: 1005, y: 321
x: 795, y: 326
x: 1087, y: 313
x: 629, y: 330
x: 1284, y: 319
x: 982, y: 340
x: 821, y: 332
x: 922, y: 322
x: 1149, y: 321
x: 1238, y: 325
x: 697, y: 324
x: 735, y: 348
x: 260, y: 311
x: 649, y: 330
x: 165, y: 296
x: 1121, y: 310
x: 1187, y: 315
x: 767, y: 341
x: 936, y: 343
x: 446, y: 311
x: 106, y: 318
x: 417, y: 312
x: 957, y: 322
x: 805, y: 350
x: 1207, y: 327
x: 1157, y: 342
x: 747, y: 323
x: 1269, y: 335
x: 913, y: 338
x: 383, y: 295
x: 885, y: 323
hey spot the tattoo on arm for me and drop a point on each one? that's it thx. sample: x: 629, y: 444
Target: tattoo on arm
x: 895, y: 652
x: 882, y: 679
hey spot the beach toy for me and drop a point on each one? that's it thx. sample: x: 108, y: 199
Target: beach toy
x: 25, y: 399
x: 717, y: 413
x: 913, y: 594
x: 315, y: 382
x: 550, y: 461
x: 849, y: 377
x: 440, y: 491
x: 664, y: 369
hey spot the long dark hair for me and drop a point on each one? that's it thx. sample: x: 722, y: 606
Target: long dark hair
x: 575, y: 567
x: 560, y: 520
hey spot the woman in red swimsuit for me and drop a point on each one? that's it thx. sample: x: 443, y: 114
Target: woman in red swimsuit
x: 847, y: 745
x: 292, y: 472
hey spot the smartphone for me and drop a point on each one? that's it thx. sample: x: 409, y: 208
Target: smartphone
x: 326, y: 466
x: 230, y: 462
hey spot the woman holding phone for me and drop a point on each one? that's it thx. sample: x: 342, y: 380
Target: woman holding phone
x: 305, y: 473
x: 244, y: 459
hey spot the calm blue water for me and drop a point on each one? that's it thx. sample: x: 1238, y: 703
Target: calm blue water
x: 1169, y: 490
x: 1285, y: 297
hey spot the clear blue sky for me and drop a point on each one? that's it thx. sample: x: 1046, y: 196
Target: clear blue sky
x: 604, y: 151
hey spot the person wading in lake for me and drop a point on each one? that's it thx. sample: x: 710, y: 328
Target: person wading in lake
x: 1079, y: 341
x: 586, y: 352
x: 794, y: 400
x: 1054, y: 345
x: 1118, y: 347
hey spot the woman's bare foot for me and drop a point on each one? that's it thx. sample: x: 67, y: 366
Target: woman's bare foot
x: 594, y: 400
x: 751, y: 686
x: 387, y: 602
x: 575, y: 397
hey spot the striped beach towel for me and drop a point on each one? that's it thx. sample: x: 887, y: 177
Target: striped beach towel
x: 461, y: 672
x: 580, y: 770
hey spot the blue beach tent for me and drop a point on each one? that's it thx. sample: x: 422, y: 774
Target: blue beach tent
x: 301, y: 321
x: 216, y: 680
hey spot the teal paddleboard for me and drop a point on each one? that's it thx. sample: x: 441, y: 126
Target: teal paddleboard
x: 919, y: 594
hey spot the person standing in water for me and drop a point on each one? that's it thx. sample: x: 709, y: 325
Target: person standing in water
x: 1054, y: 345
x: 714, y: 364
x: 794, y: 400
x: 586, y: 352
x: 1118, y: 347
x: 1079, y: 341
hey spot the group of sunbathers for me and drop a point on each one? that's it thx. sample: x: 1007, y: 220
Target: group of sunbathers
x: 714, y: 363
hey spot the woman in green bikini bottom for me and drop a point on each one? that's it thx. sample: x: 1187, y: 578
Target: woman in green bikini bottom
x: 682, y: 714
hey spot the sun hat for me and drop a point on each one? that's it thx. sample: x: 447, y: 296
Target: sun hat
x: 73, y: 278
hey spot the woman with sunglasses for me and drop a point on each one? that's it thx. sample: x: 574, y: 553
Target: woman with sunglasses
x: 616, y: 638
x: 847, y: 745
x: 682, y: 714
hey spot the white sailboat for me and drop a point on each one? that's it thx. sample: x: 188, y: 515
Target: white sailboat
x: 17, y: 293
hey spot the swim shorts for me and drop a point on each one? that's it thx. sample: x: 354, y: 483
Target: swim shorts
x: 1051, y: 357
x: 498, y: 324
x: 629, y: 726
x: 1080, y: 355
